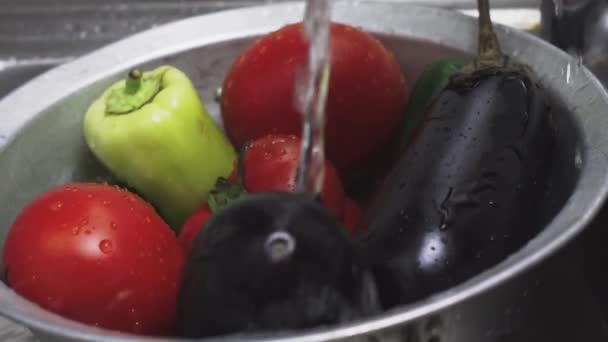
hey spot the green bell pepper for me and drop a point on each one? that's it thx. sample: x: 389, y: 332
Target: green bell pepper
x: 153, y: 133
x: 430, y: 83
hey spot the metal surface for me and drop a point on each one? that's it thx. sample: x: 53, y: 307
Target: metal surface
x: 40, y: 130
x: 581, y: 28
x: 36, y: 35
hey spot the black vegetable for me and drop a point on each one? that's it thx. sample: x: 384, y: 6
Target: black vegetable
x: 465, y: 193
x: 271, y: 262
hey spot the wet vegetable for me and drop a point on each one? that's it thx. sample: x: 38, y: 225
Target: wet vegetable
x: 270, y: 262
x: 153, y: 132
x: 366, y: 95
x: 221, y: 195
x: 270, y: 163
x: 464, y: 194
x: 430, y: 83
x: 193, y: 225
x: 352, y: 216
x: 99, y: 255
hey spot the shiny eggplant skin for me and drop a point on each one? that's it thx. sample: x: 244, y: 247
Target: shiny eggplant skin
x: 466, y: 191
x: 235, y: 283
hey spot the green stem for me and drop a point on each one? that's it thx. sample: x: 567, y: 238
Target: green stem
x: 223, y: 193
x: 138, y: 91
x: 133, y: 81
x: 490, y: 53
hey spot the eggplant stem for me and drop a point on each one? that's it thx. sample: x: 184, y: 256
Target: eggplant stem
x: 490, y: 53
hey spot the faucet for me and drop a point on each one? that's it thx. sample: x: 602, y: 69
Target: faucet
x: 579, y: 27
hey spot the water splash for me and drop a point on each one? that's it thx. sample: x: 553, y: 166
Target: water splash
x: 311, y: 95
x: 558, y: 6
x: 572, y: 68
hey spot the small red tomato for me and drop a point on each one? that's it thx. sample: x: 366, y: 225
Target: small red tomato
x: 99, y: 255
x: 367, y: 92
x: 271, y: 163
x: 193, y: 225
x: 352, y: 216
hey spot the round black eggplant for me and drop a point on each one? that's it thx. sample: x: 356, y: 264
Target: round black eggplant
x: 272, y: 262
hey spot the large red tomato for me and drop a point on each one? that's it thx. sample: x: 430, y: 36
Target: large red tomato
x: 99, y: 255
x: 367, y: 92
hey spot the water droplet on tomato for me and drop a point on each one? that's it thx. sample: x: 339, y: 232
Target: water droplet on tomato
x: 75, y: 230
x: 105, y: 246
x: 89, y: 196
x: 148, y: 220
x: 113, y: 225
x: 56, y: 206
x: 84, y: 222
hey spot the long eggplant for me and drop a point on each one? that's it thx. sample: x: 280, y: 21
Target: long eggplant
x: 271, y: 262
x: 465, y: 192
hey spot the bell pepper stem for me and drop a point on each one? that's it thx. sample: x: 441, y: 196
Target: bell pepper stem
x: 138, y: 91
x: 133, y: 81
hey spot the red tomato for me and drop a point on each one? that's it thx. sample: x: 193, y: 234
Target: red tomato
x: 352, y: 216
x: 99, y: 255
x: 193, y: 225
x: 367, y: 92
x: 271, y: 164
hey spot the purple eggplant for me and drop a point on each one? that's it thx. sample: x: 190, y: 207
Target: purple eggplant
x: 466, y: 191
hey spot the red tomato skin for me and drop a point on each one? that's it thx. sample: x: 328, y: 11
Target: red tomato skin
x: 271, y: 163
x: 99, y: 255
x: 193, y: 225
x: 367, y: 93
x: 353, y: 216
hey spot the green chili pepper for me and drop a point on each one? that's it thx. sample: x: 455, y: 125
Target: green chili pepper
x: 152, y: 132
x: 430, y: 83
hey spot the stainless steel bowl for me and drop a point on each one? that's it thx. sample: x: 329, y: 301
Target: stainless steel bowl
x: 42, y: 146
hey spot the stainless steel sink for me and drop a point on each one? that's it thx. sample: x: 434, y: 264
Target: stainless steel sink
x: 36, y: 35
